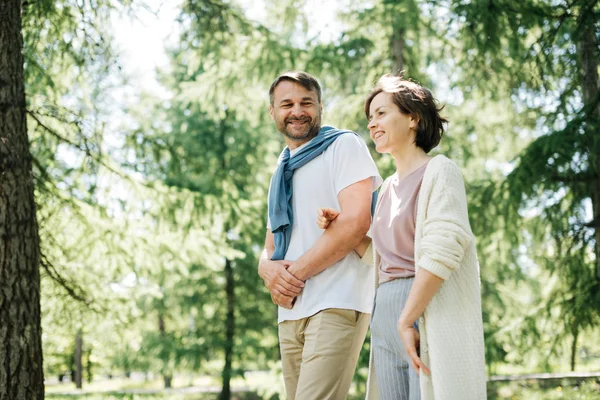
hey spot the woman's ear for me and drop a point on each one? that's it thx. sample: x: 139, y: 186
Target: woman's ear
x: 414, y: 122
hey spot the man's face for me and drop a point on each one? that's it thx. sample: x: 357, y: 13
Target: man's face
x: 296, y: 112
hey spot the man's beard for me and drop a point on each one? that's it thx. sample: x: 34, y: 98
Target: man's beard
x: 312, y: 128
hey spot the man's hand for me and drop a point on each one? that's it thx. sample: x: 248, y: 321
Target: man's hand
x: 284, y: 286
x: 283, y: 300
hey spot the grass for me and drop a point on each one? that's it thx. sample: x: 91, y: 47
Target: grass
x: 257, y: 386
x: 571, y: 389
x: 163, y: 396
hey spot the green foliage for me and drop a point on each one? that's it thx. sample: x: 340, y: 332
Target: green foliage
x: 541, y: 209
x: 209, y: 148
x: 136, y: 235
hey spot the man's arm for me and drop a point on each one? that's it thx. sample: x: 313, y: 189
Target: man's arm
x: 284, y: 286
x: 324, y: 219
x: 343, y: 234
x: 362, y: 247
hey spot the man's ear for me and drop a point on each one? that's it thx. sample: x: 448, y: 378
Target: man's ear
x: 271, y: 111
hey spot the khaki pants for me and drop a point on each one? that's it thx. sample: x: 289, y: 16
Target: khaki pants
x: 319, y: 353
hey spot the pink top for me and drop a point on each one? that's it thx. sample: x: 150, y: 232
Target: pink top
x: 394, y: 226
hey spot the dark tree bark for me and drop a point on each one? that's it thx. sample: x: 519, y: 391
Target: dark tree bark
x: 88, y: 366
x: 78, y: 360
x: 588, y: 49
x: 229, y: 330
x: 229, y: 289
x: 167, y: 376
x: 21, y: 370
x: 575, y: 334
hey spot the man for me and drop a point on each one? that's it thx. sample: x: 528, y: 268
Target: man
x: 324, y: 292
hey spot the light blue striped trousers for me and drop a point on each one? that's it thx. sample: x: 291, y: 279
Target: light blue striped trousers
x: 396, y: 378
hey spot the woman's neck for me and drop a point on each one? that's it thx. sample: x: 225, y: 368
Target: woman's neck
x: 409, y: 160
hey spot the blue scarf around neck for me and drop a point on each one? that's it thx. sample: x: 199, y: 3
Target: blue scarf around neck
x: 280, y: 198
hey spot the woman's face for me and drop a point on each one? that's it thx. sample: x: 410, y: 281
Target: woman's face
x: 390, y: 129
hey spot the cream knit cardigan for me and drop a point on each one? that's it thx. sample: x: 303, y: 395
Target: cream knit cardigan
x: 451, y: 328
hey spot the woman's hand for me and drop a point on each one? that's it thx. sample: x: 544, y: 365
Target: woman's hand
x: 411, y: 339
x: 325, y: 216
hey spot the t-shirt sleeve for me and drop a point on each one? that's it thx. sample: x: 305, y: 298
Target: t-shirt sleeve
x: 268, y: 196
x: 351, y: 162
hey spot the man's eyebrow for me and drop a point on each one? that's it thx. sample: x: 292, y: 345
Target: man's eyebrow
x: 303, y: 100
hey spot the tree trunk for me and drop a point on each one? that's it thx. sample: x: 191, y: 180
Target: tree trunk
x: 167, y: 376
x: 21, y: 369
x: 78, y: 360
x: 230, y: 330
x: 168, y: 380
x: 229, y: 287
x: 398, y: 44
x: 574, y: 346
x: 88, y: 367
x: 588, y: 47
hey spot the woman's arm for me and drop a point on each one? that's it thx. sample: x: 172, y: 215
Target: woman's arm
x: 424, y: 287
x: 446, y: 236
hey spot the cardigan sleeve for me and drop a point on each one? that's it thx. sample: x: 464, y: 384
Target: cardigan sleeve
x: 446, y: 230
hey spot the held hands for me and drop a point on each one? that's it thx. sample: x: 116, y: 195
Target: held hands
x: 411, y: 339
x: 283, y: 300
x: 284, y: 286
x: 326, y: 216
x: 282, y: 283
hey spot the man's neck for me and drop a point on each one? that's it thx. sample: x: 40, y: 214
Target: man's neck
x: 294, y: 144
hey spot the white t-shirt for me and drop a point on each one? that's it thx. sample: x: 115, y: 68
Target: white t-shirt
x: 348, y: 283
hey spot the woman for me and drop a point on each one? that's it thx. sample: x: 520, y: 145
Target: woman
x: 424, y: 257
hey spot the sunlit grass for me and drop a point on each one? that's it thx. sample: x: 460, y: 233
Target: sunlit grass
x: 260, y: 386
x: 118, y: 384
x: 255, y: 385
x: 536, y: 390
